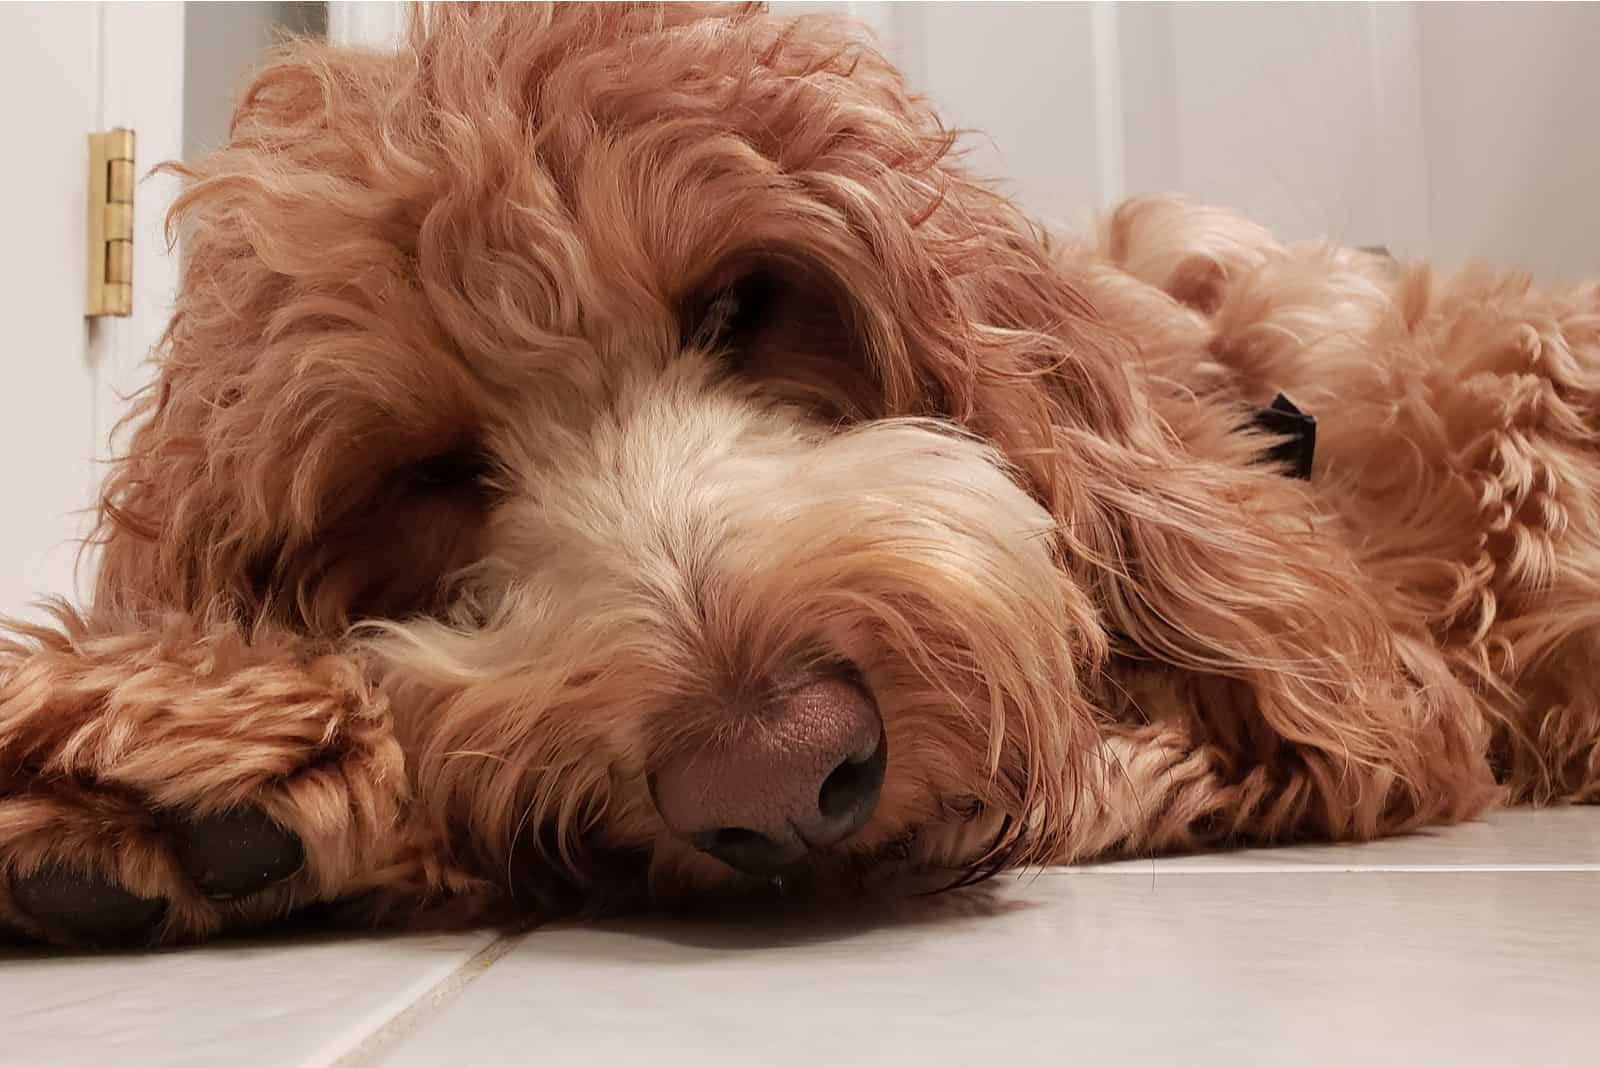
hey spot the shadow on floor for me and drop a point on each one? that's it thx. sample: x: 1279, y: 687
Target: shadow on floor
x: 754, y: 927
x: 788, y: 925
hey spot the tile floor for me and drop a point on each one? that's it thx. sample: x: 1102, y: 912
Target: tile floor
x: 1477, y: 945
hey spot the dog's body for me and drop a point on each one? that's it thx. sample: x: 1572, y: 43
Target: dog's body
x: 650, y: 382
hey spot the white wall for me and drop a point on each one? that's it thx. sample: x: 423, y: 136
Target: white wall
x: 1511, y: 98
x: 1014, y: 74
x: 1441, y: 130
x: 1275, y: 115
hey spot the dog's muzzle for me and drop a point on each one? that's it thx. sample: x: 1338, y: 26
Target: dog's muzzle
x: 801, y: 777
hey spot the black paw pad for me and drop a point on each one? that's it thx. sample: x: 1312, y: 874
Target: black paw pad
x: 236, y: 853
x: 86, y: 908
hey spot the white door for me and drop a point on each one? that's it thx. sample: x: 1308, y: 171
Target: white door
x: 67, y: 70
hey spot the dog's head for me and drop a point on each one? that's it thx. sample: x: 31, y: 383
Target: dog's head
x: 689, y: 424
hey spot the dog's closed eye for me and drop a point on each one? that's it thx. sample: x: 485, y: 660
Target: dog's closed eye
x: 780, y: 326
x: 732, y: 316
x: 455, y: 470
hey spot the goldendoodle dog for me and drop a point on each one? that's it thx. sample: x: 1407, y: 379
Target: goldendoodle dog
x: 612, y: 457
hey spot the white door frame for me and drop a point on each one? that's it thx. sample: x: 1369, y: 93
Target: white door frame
x: 366, y: 23
x: 139, y: 56
x: 141, y: 88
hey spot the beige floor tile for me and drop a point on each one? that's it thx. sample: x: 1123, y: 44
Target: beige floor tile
x: 223, y: 1006
x: 1286, y: 968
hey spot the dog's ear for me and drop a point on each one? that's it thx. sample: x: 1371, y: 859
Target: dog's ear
x: 190, y: 515
x: 1206, y: 563
x: 298, y: 242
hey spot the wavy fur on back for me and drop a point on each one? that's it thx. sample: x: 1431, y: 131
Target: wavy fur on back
x: 457, y: 509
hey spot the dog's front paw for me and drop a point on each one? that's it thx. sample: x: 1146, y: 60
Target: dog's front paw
x: 221, y: 858
x: 90, y: 869
x: 234, y: 854
x: 77, y: 908
x: 164, y: 785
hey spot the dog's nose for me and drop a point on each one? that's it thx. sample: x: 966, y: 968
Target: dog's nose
x: 803, y: 776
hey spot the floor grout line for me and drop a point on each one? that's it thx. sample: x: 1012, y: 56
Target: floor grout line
x: 379, y: 1043
x: 1169, y: 866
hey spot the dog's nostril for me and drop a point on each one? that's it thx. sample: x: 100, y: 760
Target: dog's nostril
x: 750, y: 851
x: 730, y: 838
x: 850, y: 792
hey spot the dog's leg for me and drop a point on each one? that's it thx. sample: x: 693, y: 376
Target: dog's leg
x: 162, y: 783
x: 1147, y: 790
x: 1155, y: 789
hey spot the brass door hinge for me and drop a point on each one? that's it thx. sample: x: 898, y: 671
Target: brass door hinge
x: 111, y: 223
